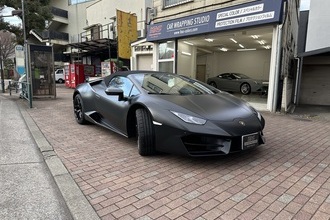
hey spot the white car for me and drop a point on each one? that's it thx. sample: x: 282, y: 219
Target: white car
x: 59, y: 76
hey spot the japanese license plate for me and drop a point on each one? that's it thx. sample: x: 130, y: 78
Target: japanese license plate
x: 250, y: 140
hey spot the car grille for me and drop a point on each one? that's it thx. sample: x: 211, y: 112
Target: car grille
x: 200, y: 145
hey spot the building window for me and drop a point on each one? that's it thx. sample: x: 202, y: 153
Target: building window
x: 171, y: 3
x: 166, y: 50
x: 166, y: 56
x: 74, y: 2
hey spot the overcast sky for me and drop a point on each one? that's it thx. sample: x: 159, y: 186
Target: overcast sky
x: 304, y: 5
x: 13, y: 19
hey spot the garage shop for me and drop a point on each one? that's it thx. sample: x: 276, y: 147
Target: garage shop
x: 255, y: 39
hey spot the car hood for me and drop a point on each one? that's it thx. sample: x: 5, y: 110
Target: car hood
x: 217, y: 107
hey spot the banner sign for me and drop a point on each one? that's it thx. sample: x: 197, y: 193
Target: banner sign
x: 239, y: 16
x: 20, y: 61
x: 127, y: 33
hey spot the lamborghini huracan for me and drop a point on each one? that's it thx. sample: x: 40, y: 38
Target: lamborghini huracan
x: 169, y: 113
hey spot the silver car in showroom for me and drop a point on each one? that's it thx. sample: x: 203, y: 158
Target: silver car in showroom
x: 236, y: 82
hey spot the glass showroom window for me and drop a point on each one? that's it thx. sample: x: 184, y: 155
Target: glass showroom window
x: 171, y: 3
x: 166, y: 56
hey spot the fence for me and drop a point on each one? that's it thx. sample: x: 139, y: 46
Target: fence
x: 19, y: 87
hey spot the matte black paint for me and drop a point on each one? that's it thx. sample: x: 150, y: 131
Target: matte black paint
x: 222, y: 111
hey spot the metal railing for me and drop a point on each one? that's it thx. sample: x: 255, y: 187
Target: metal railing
x: 19, y: 87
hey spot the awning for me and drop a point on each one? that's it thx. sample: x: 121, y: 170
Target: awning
x: 95, y: 45
x: 323, y: 52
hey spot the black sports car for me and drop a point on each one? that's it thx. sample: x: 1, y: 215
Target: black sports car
x: 169, y: 113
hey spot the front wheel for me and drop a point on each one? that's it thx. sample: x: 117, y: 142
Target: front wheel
x: 245, y: 88
x: 78, y: 108
x: 145, y: 133
x: 213, y: 84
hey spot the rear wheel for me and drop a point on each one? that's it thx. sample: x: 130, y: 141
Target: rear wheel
x: 145, y: 133
x: 245, y: 88
x: 78, y: 108
x: 213, y: 84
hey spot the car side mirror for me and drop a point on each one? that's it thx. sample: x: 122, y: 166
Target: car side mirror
x: 114, y: 92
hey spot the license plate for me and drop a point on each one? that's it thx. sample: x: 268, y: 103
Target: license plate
x: 250, y: 140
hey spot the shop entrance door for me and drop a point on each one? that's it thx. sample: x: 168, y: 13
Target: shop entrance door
x: 201, y: 72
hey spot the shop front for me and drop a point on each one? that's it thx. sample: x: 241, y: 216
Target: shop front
x: 243, y: 39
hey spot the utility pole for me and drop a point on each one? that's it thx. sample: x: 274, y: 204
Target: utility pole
x: 1, y: 66
x: 27, y: 69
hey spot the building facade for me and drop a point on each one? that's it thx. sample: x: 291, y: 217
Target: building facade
x: 202, y: 39
x: 86, y: 32
x: 313, y: 78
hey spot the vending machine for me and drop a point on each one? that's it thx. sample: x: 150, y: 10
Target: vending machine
x: 79, y: 72
x: 67, y: 79
x: 108, y: 67
x: 76, y: 75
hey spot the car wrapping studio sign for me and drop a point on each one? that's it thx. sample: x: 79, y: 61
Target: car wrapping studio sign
x: 244, y: 15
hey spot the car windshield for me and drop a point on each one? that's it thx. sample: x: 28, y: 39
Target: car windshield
x: 241, y: 76
x: 171, y: 84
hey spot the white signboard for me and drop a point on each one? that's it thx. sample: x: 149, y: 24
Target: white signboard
x: 20, y: 63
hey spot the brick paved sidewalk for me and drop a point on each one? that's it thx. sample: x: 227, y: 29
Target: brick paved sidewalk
x: 287, y: 178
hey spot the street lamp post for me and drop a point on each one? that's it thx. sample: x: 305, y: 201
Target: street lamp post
x: 26, y: 63
x: 27, y: 70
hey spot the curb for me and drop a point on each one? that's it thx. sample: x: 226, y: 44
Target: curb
x: 77, y: 203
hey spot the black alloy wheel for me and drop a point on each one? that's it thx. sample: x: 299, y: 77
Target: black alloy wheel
x: 245, y: 88
x: 78, y: 109
x: 213, y: 84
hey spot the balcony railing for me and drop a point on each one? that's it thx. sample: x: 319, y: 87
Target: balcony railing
x: 59, y: 12
x: 54, y: 35
x: 107, y: 31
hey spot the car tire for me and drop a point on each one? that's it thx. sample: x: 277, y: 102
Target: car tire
x: 60, y: 81
x: 78, y: 108
x: 213, y: 84
x: 145, y: 133
x: 245, y: 88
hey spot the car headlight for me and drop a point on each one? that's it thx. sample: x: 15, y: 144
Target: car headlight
x: 190, y: 119
x: 254, y: 110
x: 258, y: 115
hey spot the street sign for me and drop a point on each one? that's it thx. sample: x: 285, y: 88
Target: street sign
x: 20, y: 63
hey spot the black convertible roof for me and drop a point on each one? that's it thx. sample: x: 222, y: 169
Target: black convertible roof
x: 126, y: 73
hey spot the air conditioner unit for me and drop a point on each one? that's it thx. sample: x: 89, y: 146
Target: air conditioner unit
x: 153, y: 12
x: 141, y: 33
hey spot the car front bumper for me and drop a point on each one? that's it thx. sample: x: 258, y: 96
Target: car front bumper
x: 205, y: 142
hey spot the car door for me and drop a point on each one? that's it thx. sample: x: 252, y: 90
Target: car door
x: 223, y: 81
x: 236, y: 82
x: 114, y: 111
